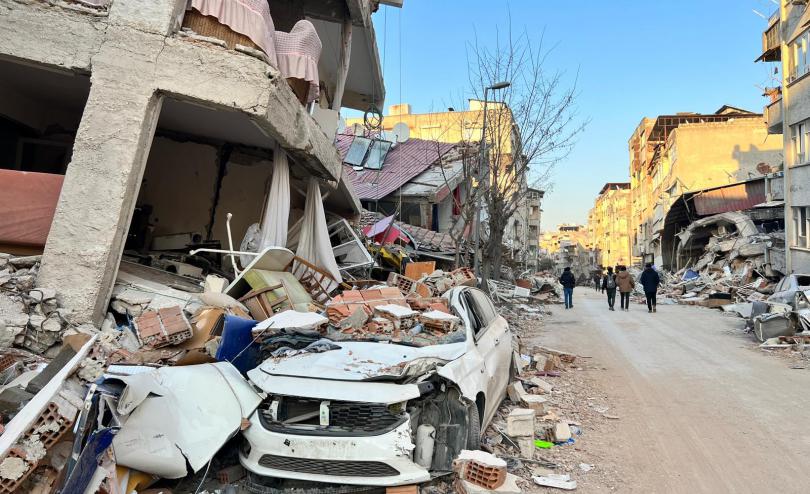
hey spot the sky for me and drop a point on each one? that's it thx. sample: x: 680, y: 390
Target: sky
x: 632, y: 58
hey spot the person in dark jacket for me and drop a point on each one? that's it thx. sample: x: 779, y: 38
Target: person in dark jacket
x: 609, y: 286
x: 650, y: 280
x: 568, y: 282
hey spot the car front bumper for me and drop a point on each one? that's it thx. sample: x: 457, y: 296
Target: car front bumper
x: 383, y: 460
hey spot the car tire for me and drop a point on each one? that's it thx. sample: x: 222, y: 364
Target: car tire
x: 474, y: 427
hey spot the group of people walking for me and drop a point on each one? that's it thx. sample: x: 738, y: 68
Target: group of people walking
x: 616, y: 280
x: 621, y: 280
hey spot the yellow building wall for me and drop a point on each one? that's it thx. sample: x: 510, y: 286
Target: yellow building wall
x: 451, y: 126
x: 703, y: 156
x: 611, y: 227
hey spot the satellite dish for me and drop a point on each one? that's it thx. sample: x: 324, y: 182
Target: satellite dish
x: 401, y: 132
x: 341, y: 126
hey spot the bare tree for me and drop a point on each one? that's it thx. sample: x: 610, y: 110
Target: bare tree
x: 531, y: 126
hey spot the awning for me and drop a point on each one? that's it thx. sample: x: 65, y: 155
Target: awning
x: 737, y: 197
x: 772, y: 55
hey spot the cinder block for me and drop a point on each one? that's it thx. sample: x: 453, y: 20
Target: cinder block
x: 535, y: 402
x: 520, y: 422
x: 526, y: 445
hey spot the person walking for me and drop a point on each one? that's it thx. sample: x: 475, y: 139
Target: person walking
x: 609, y: 286
x: 625, y: 284
x: 650, y: 280
x: 597, y: 280
x: 568, y: 282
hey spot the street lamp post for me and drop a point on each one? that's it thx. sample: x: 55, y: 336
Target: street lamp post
x: 483, y: 174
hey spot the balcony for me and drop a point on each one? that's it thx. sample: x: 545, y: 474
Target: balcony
x: 773, y: 117
x: 771, y: 51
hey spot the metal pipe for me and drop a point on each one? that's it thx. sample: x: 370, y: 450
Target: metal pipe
x: 230, y: 243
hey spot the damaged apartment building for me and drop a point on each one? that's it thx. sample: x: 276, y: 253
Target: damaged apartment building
x: 463, y: 130
x: 784, y: 47
x: 689, y: 166
x: 142, y: 130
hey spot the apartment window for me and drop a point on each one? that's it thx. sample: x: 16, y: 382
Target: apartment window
x: 800, y: 227
x: 798, y: 56
x: 800, y: 137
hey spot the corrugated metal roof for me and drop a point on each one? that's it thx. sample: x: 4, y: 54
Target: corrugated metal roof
x: 737, y: 197
x: 405, y: 161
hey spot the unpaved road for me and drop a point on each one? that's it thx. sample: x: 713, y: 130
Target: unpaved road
x: 700, y: 410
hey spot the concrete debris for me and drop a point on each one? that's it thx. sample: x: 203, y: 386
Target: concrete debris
x: 30, y: 317
x: 520, y: 422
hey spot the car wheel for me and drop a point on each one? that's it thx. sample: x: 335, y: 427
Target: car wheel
x: 473, y: 427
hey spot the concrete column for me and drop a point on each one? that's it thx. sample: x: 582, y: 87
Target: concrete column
x: 98, y: 196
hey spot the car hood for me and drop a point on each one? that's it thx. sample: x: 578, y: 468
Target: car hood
x: 364, y: 361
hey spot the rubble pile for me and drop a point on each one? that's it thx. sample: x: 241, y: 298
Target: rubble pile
x: 527, y: 425
x: 732, y: 269
x: 30, y: 316
x: 88, y: 408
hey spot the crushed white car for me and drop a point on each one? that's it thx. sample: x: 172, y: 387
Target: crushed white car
x: 380, y: 413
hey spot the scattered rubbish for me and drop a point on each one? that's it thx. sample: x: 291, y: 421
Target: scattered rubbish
x: 555, y: 480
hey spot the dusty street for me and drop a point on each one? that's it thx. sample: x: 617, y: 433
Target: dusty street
x: 701, y: 410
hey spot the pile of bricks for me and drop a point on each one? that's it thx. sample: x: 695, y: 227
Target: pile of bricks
x: 439, y: 282
x: 54, y: 421
x: 439, y: 322
x: 163, y: 327
x: 407, y: 285
x: 346, y: 304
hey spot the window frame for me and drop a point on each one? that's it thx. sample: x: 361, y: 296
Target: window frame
x: 481, y: 303
x: 801, y: 227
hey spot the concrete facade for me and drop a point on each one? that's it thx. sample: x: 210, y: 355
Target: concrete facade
x: 136, y: 59
x: 609, y: 225
x: 785, y: 44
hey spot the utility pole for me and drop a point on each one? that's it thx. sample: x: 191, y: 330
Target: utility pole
x: 483, y: 178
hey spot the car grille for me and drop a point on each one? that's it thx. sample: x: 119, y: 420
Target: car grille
x: 337, y: 468
x: 345, y: 418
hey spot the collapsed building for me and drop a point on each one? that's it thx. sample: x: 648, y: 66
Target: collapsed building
x: 674, y: 155
x: 144, y: 129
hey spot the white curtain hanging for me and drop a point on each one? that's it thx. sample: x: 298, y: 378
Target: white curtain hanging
x: 313, y: 244
x: 277, y: 214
